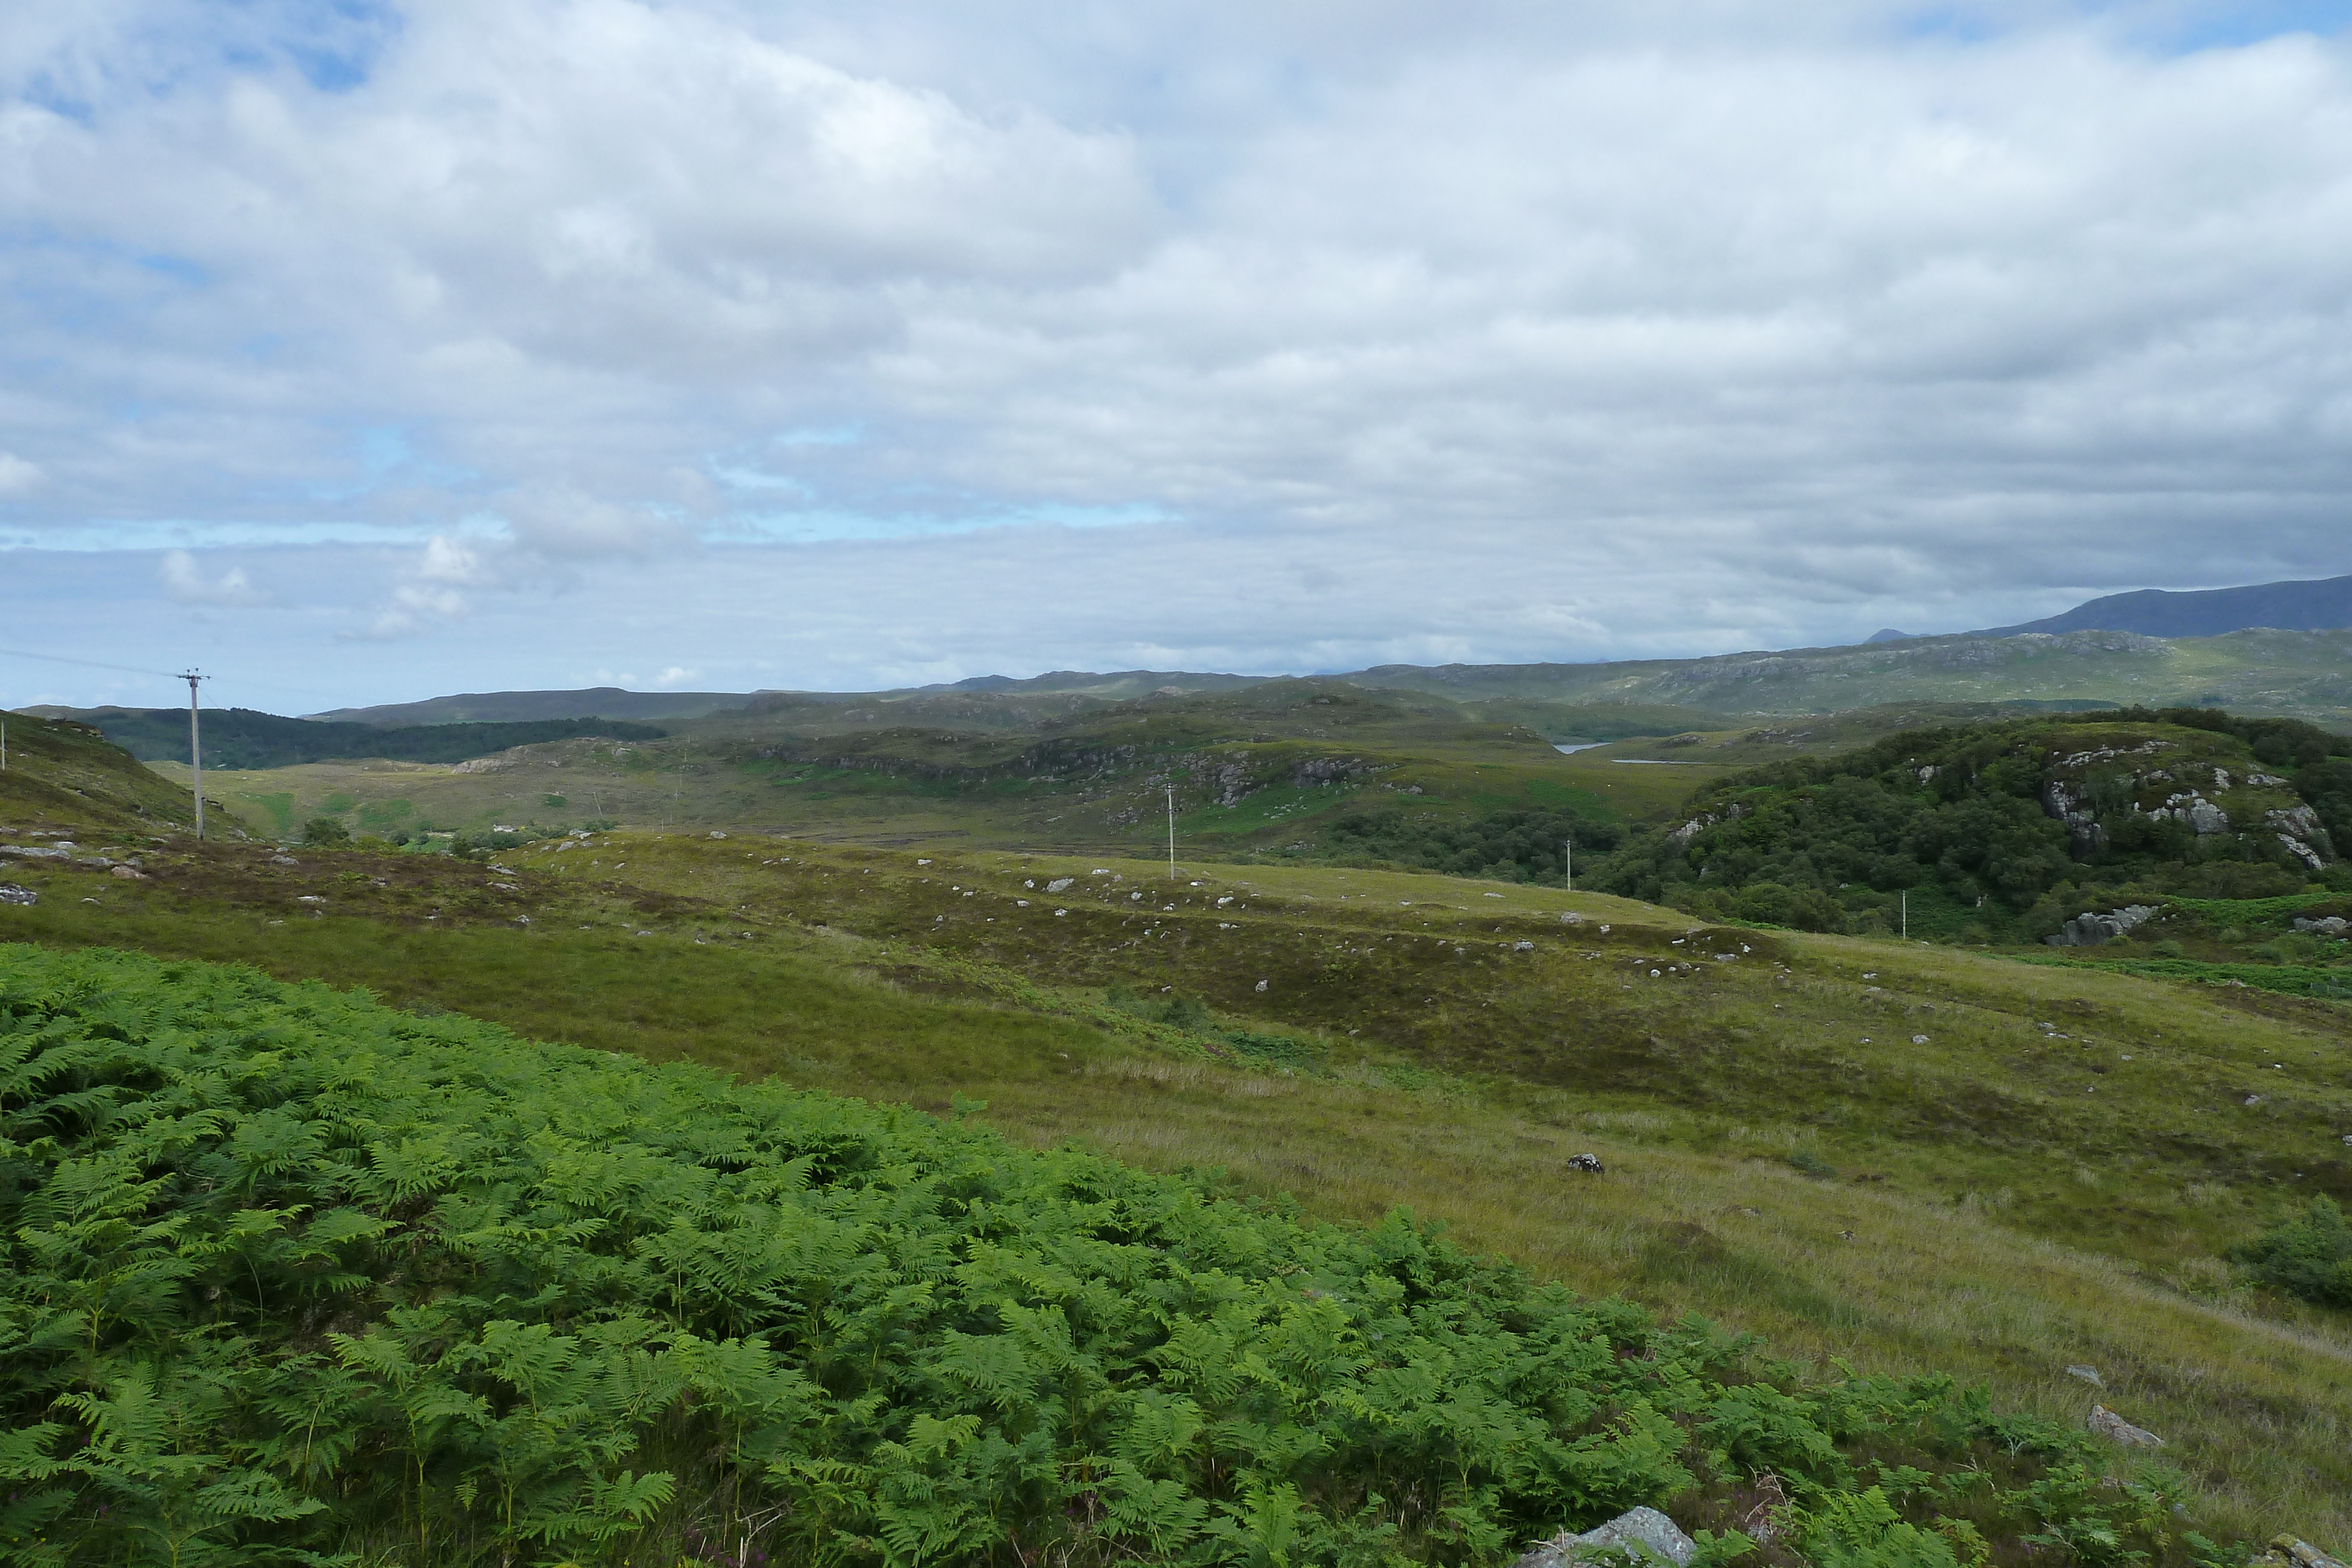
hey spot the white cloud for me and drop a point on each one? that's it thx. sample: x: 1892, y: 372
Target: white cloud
x: 185, y: 583
x: 1563, y: 331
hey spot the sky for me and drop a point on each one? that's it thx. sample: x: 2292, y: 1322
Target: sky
x: 363, y: 351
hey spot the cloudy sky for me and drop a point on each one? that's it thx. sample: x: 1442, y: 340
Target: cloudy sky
x: 363, y: 350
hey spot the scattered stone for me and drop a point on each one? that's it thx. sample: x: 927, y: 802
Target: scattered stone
x: 1640, y: 1532
x: 1589, y: 1164
x: 1261, y: 986
x: 2251, y: 1100
x: 309, y: 898
x: 1523, y: 947
x: 2331, y: 926
x: 1918, y: 1039
x: 717, y: 834
x: 2089, y: 1375
x: 11, y: 893
x: 35, y: 853
x: 2107, y: 1424
x: 1059, y: 882
x: 128, y: 874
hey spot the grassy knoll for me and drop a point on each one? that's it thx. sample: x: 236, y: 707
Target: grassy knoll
x: 2049, y: 1177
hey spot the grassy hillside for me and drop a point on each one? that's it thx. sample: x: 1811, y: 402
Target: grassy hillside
x: 1314, y: 770
x: 1920, y: 1159
x: 670, y: 1316
x: 62, y: 773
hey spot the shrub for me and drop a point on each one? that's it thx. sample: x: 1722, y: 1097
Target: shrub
x: 2308, y: 1257
x: 324, y: 832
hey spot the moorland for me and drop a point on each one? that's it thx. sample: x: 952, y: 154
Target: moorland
x: 1363, y: 996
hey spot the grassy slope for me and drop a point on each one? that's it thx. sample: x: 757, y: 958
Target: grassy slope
x: 66, y: 774
x: 2013, y: 1199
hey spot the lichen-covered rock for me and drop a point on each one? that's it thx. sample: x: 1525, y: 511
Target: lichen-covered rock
x: 2291, y: 1552
x: 2088, y: 930
x: 1638, y: 1532
x: 2114, y: 1428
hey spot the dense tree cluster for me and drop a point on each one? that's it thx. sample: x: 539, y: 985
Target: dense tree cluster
x: 1963, y: 819
x: 1517, y: 845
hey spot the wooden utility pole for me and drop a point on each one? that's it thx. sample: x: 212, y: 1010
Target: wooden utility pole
x: 1171, y: 832
x: 196, y: 752
x: 1567, y: 861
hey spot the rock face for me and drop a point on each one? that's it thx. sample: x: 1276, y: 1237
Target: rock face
x: 2088, y: 930
x: 2108, y: 1425
x: 2085, y: 836
x: 1640, y: 1533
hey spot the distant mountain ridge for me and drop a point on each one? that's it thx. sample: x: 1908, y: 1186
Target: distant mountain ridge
x: 511, y: 707
x: 2319, y: 604
x: 2119, y: 664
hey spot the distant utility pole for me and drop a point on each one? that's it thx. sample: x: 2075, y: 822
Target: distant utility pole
x: 1907, y: 915
x: 1171, y: 832
x: 1567, y: 861
x: 4, y: 745
x: 196, y: 752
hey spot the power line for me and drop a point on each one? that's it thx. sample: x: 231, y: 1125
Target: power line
x: 91, y: 665
x: 160, y: 675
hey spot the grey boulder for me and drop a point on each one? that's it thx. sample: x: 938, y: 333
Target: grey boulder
x: 2108, y: 1425
x: 1641, y: 1533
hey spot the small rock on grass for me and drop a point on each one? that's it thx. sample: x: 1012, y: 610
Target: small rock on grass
x: 2089, y: 1375
x: 2107, y: 1424
x: 1640, y: 1532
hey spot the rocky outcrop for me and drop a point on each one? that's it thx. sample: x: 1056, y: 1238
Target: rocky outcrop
x: 2088, y: 930
x: 11, y: 893
x: 2292, y: 1551
x: 2085, y: 836
x: 2298, y: 828
x: 2326, y: 926
x: 1641, y: 1533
